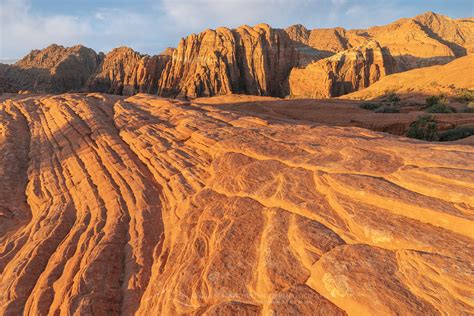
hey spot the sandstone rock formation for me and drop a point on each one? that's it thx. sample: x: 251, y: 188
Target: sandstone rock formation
x: 53, y: 69
x: 251, y: 60
x: 146, y: 206
x: 331, y: 41
x: 425, y: 40
x: 434, y: 80
x: 342, y: 73
x: 59, y: 69
x: 126, y: 72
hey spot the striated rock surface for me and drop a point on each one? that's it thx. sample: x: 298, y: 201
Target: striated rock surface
x: 126, y: 72
x: 146, y: 206
x: 345, y: 72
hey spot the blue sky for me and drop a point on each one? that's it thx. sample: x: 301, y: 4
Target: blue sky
x: 149, y: 26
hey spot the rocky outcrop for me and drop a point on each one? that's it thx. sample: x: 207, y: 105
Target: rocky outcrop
x: 343, y: 73
x: 59, y: 69
x: 145, y: 206
x: 249, y: 60
x: 445, y: 79
x: 53, y: 69
x: 330, y: 41
x: 425, y: 40
x: 126, y: 72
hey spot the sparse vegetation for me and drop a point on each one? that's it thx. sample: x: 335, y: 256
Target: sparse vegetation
x: 435, y: 99
x: 393, y: 98
x: 438, y: 104
x: 369, y: 106
x: 456, y: 133
x: 388, y: 109
x: 440, y: 108
x: 425, y: 128
x: 388, y: 105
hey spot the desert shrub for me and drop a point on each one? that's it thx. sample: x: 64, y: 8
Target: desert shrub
x: 392, y: 98
x: 439, y: 108
x: 464, y: 95
x: 438, y: 104
x: 456, y: 133
x: 435, y: 99
x: 369, y: 106
x: 425, y: 128
x: 388, y: 109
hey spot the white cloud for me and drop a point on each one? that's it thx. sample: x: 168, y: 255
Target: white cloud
x: 21, y: 30
x: 151, y: 25
x: 212, y: 13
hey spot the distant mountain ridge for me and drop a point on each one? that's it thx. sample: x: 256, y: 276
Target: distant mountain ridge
x: 250, y: 60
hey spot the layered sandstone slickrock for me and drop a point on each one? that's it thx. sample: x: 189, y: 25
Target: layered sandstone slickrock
x: 146, y: 206
x: 251, y: 60
x: 342, y: 73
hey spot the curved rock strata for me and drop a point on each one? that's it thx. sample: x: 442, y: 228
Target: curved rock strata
x: 146, y: 206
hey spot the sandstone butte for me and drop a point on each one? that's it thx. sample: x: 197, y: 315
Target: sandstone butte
x: 141, y: 205
x: 257, y: 60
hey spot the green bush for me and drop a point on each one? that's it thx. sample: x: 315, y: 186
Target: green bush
x: 456, y: 133
x: 424, y: 128
x: 369, y: 106
x: 439, y: 108
x: 435, y: 99
x: 388, y: 109
x: 393, y: 98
